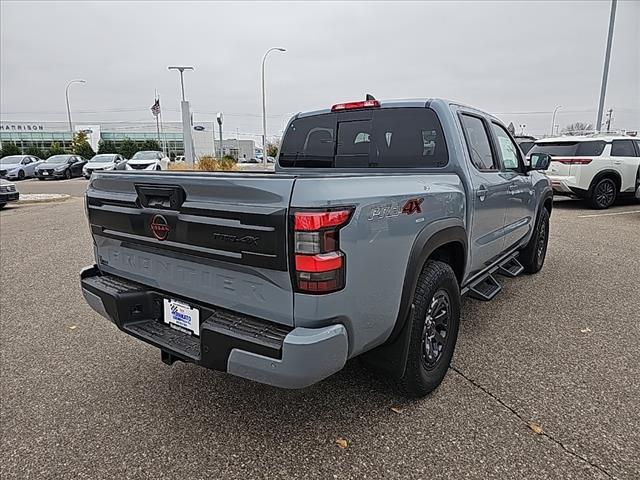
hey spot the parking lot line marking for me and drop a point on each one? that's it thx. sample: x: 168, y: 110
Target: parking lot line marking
x: 607, y: 214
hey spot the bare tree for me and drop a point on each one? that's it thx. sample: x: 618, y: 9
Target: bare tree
x: 577, y: 128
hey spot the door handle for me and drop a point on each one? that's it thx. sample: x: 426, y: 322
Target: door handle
x: 617, y: 162
x: 482, y: 192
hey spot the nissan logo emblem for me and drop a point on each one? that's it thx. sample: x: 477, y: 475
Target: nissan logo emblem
x: 160, y: 227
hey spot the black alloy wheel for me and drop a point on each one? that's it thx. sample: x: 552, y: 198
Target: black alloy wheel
x: 604, y: 194
x: 435, y: 333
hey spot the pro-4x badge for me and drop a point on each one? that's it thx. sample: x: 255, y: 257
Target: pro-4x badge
x: 393, y: 209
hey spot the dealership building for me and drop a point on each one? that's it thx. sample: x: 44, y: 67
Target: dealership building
x: 43, y: 134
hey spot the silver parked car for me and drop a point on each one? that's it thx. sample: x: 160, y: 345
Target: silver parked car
x: 19, y: 167
x: 103, y: 161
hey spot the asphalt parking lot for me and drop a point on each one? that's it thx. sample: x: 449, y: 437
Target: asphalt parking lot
x: 560, y: 350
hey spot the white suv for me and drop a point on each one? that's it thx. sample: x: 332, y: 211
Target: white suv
x: 598, y: 168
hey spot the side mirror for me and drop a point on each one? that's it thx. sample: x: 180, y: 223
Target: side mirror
x: 539, y: 161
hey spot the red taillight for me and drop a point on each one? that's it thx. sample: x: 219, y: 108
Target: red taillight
x: 572, y: 160
x: 355, y: 105
x: 319, y: 264
x: 312, y: 221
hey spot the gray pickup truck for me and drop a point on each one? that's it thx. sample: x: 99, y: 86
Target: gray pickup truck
x: 378, y: 218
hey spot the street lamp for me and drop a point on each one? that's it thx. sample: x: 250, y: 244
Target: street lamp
x: 605, y: 70
x: 66, y: 94
x: 181, y: 70
x: 553, y: 118
x: 187, y: 139
x: 264, y: 107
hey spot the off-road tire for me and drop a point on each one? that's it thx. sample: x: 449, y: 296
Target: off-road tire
x: 419, y: 379
x: 532, y: 256
x: 603, y: 194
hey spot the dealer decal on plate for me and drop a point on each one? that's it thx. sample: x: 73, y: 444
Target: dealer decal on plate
x: 181, y: 315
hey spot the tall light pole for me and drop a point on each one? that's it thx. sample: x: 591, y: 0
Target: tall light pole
x: 264, y: 107
x: 187, y: 139
x: 66, y: 94
x: 553, y: 118
x: 605, y: 72
x: 219, y: 118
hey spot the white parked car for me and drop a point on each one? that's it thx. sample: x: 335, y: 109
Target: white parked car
x: 148, y: 160
x: 19, y: 166
x: 599, y: 168
x: 103, y: 161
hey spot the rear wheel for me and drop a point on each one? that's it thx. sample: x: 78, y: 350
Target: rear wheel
x: 21, y: 175
x: 67, y: 174
x: 434, y: 330
x: 603, y: 194
x: 533, y: 254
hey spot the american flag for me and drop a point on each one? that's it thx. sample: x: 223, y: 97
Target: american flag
x: 155, y: 108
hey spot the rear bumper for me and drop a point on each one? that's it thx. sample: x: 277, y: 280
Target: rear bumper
x: 239, y: 344
x: 562, y: 185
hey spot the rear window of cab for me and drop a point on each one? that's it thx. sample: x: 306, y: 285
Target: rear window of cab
x: 592, y: 148
x: 382, y: 138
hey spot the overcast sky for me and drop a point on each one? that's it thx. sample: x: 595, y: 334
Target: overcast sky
x: 524, y: 57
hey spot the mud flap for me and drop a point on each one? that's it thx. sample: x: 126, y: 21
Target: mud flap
x: 391, y: 357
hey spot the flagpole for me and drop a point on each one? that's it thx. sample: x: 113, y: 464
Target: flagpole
x: 156, y: 114
x: 165, y: 150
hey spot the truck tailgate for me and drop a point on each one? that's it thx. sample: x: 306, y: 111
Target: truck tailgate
x: 219, y: 239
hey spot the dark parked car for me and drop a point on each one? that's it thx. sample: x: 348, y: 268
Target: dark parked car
x: 8, y: 192
x: 61, y: 166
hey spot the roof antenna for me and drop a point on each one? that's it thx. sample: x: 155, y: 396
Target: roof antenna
x: 370, y: 97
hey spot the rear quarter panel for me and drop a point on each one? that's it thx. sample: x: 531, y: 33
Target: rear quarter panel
x: 376, y: 244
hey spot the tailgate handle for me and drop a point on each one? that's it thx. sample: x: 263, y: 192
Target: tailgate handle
x: 168, y: 197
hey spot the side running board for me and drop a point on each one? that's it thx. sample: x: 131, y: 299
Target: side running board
x: 511, y: 268
x: 486, y: 287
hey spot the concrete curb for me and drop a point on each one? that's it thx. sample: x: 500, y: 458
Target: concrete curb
x: 53, y: 198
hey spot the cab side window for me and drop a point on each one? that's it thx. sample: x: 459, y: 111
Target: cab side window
x: 478, y: 143
x: 508, y: 149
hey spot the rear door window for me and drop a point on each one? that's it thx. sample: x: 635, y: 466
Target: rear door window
x: 391, y: 138
x: 622, y: 148
x: 508, y: 149
x: 477, y: 139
